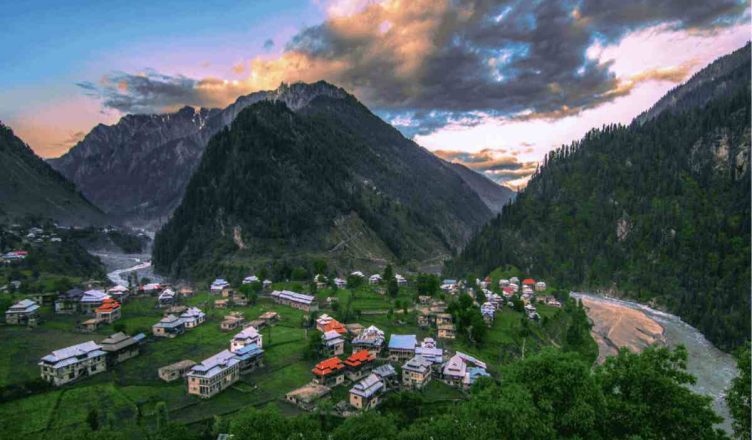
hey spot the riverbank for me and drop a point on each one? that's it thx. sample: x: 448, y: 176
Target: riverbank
x: 620, y: 323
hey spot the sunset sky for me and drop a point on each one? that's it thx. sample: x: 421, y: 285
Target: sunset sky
x: 494, y: 85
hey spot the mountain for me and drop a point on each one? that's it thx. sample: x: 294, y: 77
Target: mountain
x: 329, y: 180
x: 137, y: 169
x: 658, y: 211
x: 493, y: 195
x: 724, y: 77
x: 29, y: 186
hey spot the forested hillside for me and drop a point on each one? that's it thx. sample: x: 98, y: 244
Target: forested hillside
x: 330, y: 181
x: 28, y: 186
x: 658, y: 212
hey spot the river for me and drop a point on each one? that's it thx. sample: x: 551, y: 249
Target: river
x: 713, y: 368
x: 120, y: 265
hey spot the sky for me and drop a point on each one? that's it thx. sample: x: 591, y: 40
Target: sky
x: 491, y: 84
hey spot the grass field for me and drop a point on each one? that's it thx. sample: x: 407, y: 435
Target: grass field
x: 127, y: 395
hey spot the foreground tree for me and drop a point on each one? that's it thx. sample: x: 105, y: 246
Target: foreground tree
x: 646, y: 397
x: 738, y: 395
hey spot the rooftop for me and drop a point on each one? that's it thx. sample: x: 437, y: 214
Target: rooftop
x: 328, y: 366
x: 403, y: 342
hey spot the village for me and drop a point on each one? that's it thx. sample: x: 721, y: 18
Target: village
x: 356, y: 364
x: 349, y: 340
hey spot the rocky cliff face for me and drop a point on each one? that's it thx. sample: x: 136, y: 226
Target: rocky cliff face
x: 137, y: 169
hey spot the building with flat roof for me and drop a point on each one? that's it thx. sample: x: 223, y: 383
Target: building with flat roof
x: 402, y: 347
x: 25, y: 312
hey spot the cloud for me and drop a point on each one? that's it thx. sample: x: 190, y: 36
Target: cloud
x: 498, y: 164
x: 268, y: 44
x: 71, y: 140
x: 436, y: 62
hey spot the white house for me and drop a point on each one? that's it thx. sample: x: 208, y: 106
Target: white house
x: 374, y: 279
x: 401, y: 281
x: 340, y: 283
x: 22, y: 312
x: 72, y: 363
x: 250, y: 279
x: 247, y: 336
x: 462, y: 369
x: 193, y: 317
x: 365, y: 394
x: 540, y: 286
x: 92, y: 299
x: 218, y: 285
x: 213, y: 374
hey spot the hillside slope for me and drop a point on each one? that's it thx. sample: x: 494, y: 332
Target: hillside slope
x: 29, y: 186
x: 329, y: 181
x: 658, y: 211
x: 493, y: 195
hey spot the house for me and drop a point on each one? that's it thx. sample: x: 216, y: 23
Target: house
x: 366, y: 393
x: 330, y: 372
x: 371, y: 339
x: 90, y: 325
x: 218, y: 285
x: 267, y: 284
x: 402, y: 347
x: 375, y: 279
x: 295, y: 300
x: 213, y: 374
x: 359, y: 364
x: 320, y: 281
x: 247, y: 336
x: 193, y: 317
x: 306, y: 395
x: 388, y: 375
x: 25, y: 312
x: 269, y: 317
x: 354, y: 328
x: 358, y: 274
x: 250, y: 279
x: 232, y: 321
x: 251, y: 357
x: 42, y: 298
x: 449, y: 285
x: 73, y: 363
x: 167, y: 298
x: 118, y: 292
x: 424, y: 317
x: 151, y: 288
x: 515, y: 281
x: 92, y: 299
x: 401, y: 281
x: 169, y: 327
x: 221, y: 303
x: 456, y: 371
x: 326, y: 323
x: 487, y: 310
x: 185, y: 292
x: 430, y: 352
x: 121, y: 347
x: 109, y: 311
x: 446, y: 331
x: 239, y: 299
x: 424, y: 300
x: 503, y: 283
x: 333, y: 343
x: 540, y: 286
x: 508, y: 292
x: 531, y: 312
x: 340, y: 283
x: 443, y: 319
x: 528, y: 282
x: 416, y: 372
x: 175, y: 371
x: 68, y: 302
